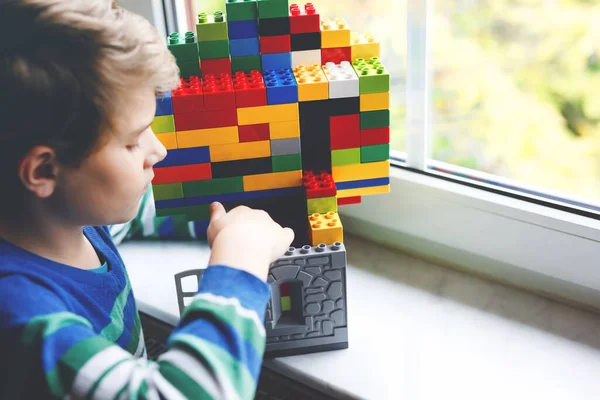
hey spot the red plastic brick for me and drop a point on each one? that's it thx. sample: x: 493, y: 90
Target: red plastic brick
x: 216, y: 66
x: 345, y: 123
x: 218, y: 92
x: 284, y: 289
x: 250, y: 90
x: 304, y: 19
x: 370, y: 137
x: 346, y: 201
x: 183, y: 173
x: 254, y: 133
x: 275, y: 44
x: 336, y: 55
x: 205, y: 120
x: 188, y: 98
x: 345, y: 132
x: 318, y: 185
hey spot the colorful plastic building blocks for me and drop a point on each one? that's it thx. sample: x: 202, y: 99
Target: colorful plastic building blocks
x: 304, y: 19
x: 325, y: 228
x: 211, y: 27
x: 343, y: 81
x: 335, y: 33
x: 364, y: 46
x: 312, y: 83
x: 372, y: 75
x: 281, y: 86
x: 250, y: 90
x: 279, y: 110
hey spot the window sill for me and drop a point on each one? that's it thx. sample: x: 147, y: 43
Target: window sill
x: 528, y: 245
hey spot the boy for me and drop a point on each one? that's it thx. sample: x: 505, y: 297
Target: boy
x: 78, y: 81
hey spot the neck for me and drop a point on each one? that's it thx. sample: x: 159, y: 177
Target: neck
x: 39, y: 233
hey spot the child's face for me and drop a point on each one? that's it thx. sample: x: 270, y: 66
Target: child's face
x: 106, y: 188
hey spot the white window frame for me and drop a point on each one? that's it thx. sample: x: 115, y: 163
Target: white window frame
x: 513, y: 240
x: 516, y: 241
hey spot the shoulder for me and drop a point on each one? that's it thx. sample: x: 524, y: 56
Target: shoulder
x: 24, y: 297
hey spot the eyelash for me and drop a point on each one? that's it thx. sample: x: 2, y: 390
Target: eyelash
x: 133, y: 147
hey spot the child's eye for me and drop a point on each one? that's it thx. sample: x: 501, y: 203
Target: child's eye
x: 133, y: 146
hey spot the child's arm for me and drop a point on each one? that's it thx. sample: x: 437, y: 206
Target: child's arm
x: 215, y: 352
x: 146, y: 225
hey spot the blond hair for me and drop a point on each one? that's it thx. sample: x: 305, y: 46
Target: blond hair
x: 63, y: 64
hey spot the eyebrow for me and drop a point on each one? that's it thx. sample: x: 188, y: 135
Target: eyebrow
x: 140, y: 130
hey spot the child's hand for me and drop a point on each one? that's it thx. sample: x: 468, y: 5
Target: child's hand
x: 246, y: 239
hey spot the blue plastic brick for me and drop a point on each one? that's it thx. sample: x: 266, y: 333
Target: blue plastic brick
x: 164, y: 105
x: 362, y: 183
x: 244, y: 47
x: 194, y: 155
x: 224, y: 198
x: 281, y: 86
x: 243, y: 29
x: 276, y: 61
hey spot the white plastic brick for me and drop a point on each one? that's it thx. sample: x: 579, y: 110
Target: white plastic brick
x: 306, y: 57
x: 343, y: 81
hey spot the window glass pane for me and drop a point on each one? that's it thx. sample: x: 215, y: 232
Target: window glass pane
x: 386, y: 19
x: 516, y: 88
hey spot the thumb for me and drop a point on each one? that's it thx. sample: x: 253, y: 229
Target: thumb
x: 216, y: 211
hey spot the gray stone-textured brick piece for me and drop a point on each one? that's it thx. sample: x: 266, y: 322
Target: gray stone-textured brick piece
x: 316, y: 278
x: 285, y: 147
x: 323, y: 322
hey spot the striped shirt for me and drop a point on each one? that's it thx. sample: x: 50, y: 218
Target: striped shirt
x: 72, y: 333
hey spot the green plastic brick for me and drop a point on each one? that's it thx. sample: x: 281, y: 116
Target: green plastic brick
x: 211, y: 27
x: 286, y: 303
x: 213, y: 49
x: 163, y: 124
x: 378, y: 152
x: 167, y: 192
x: 241, y: 10
x: 183, y: 48
x: 345, y: 157
x: 213, y: 187
x: 292, y: 162
x: 372, y: 75
x: 246, y: 64
x: 193, y: 213
x: 375, y: 119
x: 273, y: 8
x: 322, y: 205
x: 189, y: 68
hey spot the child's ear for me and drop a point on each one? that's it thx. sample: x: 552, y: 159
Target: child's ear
x: 38, y: 171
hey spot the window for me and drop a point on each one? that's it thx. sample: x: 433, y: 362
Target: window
x: 514, y: 91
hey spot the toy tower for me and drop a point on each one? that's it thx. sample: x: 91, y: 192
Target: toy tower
x: 281, y: 110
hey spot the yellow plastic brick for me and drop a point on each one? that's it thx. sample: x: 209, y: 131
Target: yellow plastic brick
x: 335, y: 33
x: 374, y: 102
x: 325, y: 228
x: 284, y: 130
x: 274, y: 180
x: 365, y: 46
x: 312, y: 83
x: 169, y: 140
x: 240, y: 151
x: 358, y: 172
x: 363, y: 191
x: 266, y: 114
x: 208, y: 137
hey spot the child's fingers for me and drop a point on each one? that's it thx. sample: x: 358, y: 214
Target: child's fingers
x: 287, y: 237
x: 216, y: 211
